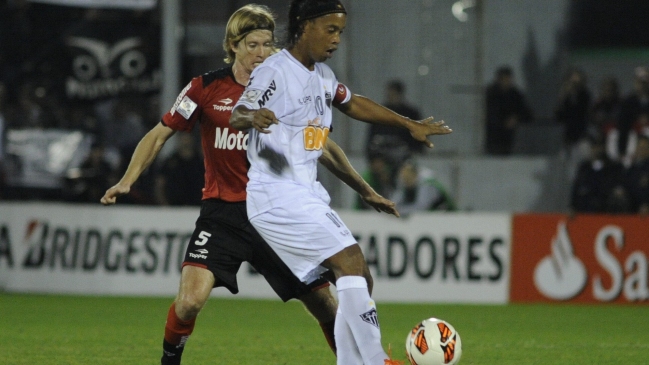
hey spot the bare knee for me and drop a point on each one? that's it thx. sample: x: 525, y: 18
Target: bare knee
x: 349, y: 261
x: 195, y: 287
x: 188, y: 306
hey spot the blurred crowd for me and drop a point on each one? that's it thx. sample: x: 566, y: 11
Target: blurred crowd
x: 605, y: 135
x: 114, y: 128
x: 113, y: 102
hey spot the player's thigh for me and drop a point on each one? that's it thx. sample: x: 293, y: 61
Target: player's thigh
x: 304, y: 233
x: 196, y: 284
x: 278, y: 275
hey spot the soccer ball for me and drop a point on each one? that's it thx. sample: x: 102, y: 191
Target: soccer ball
x: 433, y: 342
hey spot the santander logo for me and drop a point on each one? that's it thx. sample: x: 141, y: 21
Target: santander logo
x: 614, y: 266
x: 561, y: 275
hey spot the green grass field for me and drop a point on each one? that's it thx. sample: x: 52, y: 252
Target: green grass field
x: 48, y: 330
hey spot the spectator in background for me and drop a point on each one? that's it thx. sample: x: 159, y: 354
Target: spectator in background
x: 88, y: 183
x: 633, y: 107
x: 605, y: 114
x: 598, y: 186
x: 506, y: 109
x: 180, y: 179
x: 622, y: 137
x: 613, y: 137
x: 379, y: 176
x: 418, y: 190
x: 122, y: 124
x: 637, y: 177
x: 28, y: 113
x: 573, y: 108
x: 382, y: 137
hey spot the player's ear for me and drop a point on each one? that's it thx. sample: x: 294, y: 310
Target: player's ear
x: 234, y: 46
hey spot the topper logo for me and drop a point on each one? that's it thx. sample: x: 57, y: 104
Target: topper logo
x: 101, y: 56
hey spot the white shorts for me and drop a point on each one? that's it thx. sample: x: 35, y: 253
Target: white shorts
x: 304, y: 233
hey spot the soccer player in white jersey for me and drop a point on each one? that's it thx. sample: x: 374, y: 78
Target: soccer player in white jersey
x: 287, y: 107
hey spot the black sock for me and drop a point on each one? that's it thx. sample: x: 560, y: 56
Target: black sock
x: 171, y: 354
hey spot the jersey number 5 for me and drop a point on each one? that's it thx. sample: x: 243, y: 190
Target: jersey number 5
x: 202, y: 238
x: 315, y: 137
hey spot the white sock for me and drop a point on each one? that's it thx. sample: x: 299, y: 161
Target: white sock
x: 359, y: 311
x: 346, y: 349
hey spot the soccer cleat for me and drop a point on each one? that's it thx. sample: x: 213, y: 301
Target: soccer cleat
x: 389, y: 360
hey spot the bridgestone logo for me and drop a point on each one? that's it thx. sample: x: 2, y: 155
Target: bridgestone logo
x: 197, y: 256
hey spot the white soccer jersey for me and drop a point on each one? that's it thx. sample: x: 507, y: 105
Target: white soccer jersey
x: 283, y: 163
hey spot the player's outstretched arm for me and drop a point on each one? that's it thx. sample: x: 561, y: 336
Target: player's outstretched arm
x: 145, y: 152
x: 243, y: 118
x: 366, y: 110
x: 335, y: 160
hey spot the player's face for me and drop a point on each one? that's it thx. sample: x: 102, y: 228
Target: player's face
x: 323, y: 35
x: 253, y: 49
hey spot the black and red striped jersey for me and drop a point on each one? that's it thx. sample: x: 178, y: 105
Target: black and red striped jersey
x: 209, y: 99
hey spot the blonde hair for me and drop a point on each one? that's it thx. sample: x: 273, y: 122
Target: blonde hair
x: 243, y: 21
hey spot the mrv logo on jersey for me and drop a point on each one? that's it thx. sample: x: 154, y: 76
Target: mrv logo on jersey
x: 267, y: 94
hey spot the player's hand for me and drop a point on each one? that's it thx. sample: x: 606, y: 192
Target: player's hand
x: 422, y: 129
x: 381, y: 204
x: 110, y: 197
x: 262, y: 119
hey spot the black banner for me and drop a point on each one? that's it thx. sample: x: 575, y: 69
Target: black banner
x: 113, y: 55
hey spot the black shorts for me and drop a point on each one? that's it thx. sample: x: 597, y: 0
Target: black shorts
x: 224, y: 238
